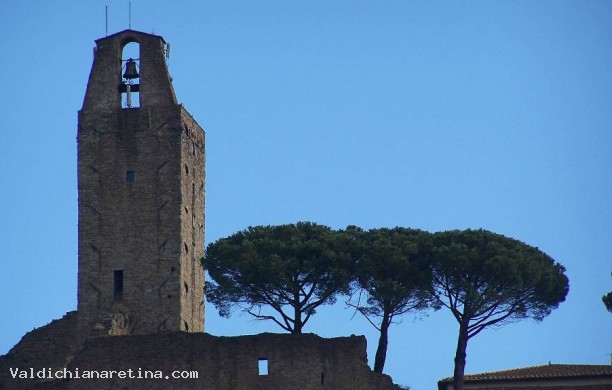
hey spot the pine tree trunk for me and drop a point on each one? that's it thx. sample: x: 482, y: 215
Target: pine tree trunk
x: 297, y: 312
x: 460, y: 356
x: 297, y: 325
x: 381, y: 351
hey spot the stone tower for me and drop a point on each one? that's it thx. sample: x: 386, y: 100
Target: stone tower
x: 141, y: 196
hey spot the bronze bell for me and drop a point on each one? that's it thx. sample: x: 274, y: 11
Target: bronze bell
x: 130, y: 70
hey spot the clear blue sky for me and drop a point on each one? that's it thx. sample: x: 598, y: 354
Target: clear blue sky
x: 433, y: 115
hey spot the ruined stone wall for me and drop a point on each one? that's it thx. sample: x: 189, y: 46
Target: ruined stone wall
x: 52, y: 346
x: 305, y: 362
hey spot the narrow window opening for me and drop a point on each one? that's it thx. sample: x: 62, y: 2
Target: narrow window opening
x: 263, y: 366
x: 129, y: 176
x: 118, y: 284
x: 186, y: 326
x: 186, y: 169
x: 172, y: 269
x: 186, y: 247
x: 322, y: 377
x: 186, y: 287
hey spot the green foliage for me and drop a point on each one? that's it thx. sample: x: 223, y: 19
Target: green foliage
x: 393, y: 271
x: 491, y: 279
x: 486, y: 279
x: 292, y: 269
x: 607, y: 301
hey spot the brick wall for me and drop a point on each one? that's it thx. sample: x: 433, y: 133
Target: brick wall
x: 305, y: 361
x: 141, y: 200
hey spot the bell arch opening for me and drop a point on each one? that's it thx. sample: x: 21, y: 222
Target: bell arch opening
x: 130, y: 75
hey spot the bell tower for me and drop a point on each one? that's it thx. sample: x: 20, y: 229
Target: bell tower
x: 141, y: 196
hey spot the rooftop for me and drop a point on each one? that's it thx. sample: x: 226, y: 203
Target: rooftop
x: 549, y: 371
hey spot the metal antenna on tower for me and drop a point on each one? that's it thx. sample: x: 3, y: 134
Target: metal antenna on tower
x: 106, y: 19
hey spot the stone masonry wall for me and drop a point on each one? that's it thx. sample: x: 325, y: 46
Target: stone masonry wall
x: 141, y: 200
x: 192, y: 222
x: 52, y: 346
x: 305, y: 361
x: 151, y: 228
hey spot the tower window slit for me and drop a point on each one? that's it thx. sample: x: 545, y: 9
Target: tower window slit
x: 118, y: 284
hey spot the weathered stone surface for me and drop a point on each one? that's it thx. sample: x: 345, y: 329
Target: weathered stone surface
x: 302, y: 361
x: 141, y: 200
x: 51, y: 346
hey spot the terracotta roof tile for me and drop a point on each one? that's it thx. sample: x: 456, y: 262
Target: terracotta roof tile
x: 549, y: 371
